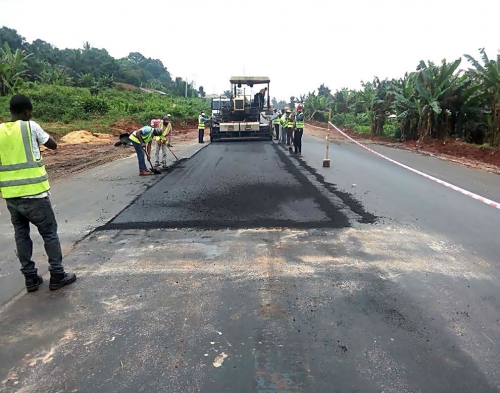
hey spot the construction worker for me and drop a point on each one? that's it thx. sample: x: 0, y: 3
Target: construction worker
x: 289, y: 127
x: 299, y: 130
x: 169, y: 117
x: 25, y: 187
x: 283, y: 123
x: 201, y: 127
x: 161, y: 143
x: 141, y: 139
x: 262, y: 94
x: 276, y: 123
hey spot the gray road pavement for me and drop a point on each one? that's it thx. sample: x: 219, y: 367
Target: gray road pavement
x: 247, y: 270
x: 81, y: 202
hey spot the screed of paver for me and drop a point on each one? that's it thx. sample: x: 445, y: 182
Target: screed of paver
x: 258, y: 310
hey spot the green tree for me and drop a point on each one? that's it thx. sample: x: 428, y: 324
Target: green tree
x: 13, y: 67
x: 488, y: 75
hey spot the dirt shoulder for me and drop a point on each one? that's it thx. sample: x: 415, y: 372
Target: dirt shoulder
x: 485, y: 158
x: 81, y: 150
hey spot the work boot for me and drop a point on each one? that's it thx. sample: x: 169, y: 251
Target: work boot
x: 157, y: 164
x: 33, y: 281
x: 144, y: 173
x: 59, y: 280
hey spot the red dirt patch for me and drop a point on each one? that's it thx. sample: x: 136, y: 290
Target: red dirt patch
x: 74, y: 157
x: 122, y: 126
x: 127, y: 86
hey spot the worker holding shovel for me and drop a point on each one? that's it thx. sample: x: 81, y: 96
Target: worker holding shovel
x: 141, y: 140
x: 162, y: 142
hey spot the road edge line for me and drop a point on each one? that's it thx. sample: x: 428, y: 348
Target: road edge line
x: 462, y: 191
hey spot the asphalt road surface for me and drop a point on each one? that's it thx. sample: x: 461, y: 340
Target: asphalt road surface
x: 249, y: 270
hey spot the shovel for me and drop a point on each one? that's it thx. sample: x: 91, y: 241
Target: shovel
x: 152, y: 169
x: 168, y: 147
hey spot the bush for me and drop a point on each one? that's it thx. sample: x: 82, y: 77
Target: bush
x: 391, y: 129
x: 360, y: 129
x: 66, y: 104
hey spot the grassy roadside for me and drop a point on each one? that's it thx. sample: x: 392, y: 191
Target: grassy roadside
x: 62, y: 109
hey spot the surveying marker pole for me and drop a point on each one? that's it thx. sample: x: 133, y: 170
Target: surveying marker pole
x: 326, y: 161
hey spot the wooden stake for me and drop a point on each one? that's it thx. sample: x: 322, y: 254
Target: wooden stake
x: 326, y: 161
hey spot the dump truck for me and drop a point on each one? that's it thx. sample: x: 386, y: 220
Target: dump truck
x: 247, y: 115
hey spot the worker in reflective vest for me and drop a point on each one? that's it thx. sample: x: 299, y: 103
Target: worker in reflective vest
x: 276, y: 123
x: 283, y: 123
x: 299, y: 130
x: 161, y: 143
x: 201, y: 127
x: 25, y: 187
x: 290, y: 117
x: 141, y: 140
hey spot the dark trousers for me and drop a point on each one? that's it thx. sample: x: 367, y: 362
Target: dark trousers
x: 140, y: 156
x: 39, y: 213
x: 289, y: 135
x: 277, y: 131
x: 201, y: 134
x: 297, y: 139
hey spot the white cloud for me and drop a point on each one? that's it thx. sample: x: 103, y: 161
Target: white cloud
x: 298, y: 44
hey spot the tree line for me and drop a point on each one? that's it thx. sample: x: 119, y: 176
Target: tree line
x: 434, y: 101
x: 94, y: 68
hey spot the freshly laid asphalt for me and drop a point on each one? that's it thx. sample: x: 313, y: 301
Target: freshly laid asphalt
x: 246, y: 269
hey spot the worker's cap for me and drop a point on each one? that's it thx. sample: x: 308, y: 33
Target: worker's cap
x: 203, y: 114
x: 166, y: 118
x: 155, y: 123
x: 288, y: 111
x: 275, y: 110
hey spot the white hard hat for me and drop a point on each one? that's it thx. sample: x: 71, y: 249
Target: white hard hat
x: 203, y: 114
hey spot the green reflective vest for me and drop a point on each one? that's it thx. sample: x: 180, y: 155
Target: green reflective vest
x: 277, y: 120
x: 164, y: 135
x: 146, y: 138
x: 20, y: 174
x: 201, y: 124
x: 283, y: 121
x: 299, y: 120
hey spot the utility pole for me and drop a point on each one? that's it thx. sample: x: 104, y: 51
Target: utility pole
x: 186, y: 95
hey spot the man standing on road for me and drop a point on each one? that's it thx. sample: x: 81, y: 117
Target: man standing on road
x: 290, y: 118
x: 161, y: 143
x: 141, y: 139
x: 283, y: 123
x: 299, y: 130
x: 168, y: 119
x: 201, y: 126
x: 25, y: 187
x: 276, y: 123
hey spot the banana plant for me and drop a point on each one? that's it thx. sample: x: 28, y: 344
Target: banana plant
x: 432, y: 83
x: 13, y: 68
x: 488, y: 75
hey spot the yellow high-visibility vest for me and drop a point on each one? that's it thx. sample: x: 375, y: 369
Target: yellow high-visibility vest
x: 146, y: 138
x: 20, y: 173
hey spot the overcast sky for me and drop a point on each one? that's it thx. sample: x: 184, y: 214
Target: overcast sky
x: 298, y: 44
